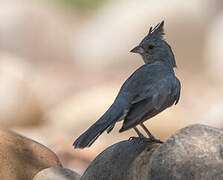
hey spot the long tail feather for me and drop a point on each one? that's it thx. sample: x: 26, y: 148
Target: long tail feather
x: 91, y: 134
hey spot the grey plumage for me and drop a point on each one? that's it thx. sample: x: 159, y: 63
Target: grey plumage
x: 148, y: 91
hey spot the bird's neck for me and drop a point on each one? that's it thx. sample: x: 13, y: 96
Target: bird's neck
x: 168, y: 62
x: 165, y: 63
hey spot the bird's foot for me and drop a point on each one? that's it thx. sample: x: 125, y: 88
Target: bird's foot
x: 145, y: 139
x: 141, y: 138
x: 153, y: 139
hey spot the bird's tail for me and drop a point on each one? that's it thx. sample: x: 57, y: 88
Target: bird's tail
x: 112, y: 115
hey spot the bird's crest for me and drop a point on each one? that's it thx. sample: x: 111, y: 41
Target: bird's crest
x: 157, y: 32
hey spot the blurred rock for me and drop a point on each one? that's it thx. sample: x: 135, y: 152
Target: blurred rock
x: 124, y: 160
x: 22, y: 158
x: 60, y: 141
x: 26, y: 23
x: 57, y: 173
x: 213, y: 49
x: 91, y: 101
x: 39, y: 35
x: 19, y: 105
x: 194, y: 152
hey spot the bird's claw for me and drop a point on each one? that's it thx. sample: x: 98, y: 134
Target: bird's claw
x: 156, y: 140
x: 144, y: 139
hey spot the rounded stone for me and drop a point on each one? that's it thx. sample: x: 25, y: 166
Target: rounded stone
x: 22, y: 158
x: 57, y: 173
x: 194, y: 152
x: 128, y: 159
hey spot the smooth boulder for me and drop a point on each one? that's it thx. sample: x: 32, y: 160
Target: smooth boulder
x: 194, y: 152
x: 57, y: 173
x: 126, y: 160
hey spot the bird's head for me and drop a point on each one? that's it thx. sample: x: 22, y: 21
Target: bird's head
x: 154, y: 48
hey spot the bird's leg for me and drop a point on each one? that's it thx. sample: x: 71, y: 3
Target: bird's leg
x: 149, y: 134
x: 141, y: 136
x: 147, y: 131
x: 139, y: 133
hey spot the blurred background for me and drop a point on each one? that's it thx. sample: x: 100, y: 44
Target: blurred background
x: 62, y: 63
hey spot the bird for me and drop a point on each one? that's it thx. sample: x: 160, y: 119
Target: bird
x: 152, y: 88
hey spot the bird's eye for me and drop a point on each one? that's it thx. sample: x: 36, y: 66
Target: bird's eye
x: 150, y: 47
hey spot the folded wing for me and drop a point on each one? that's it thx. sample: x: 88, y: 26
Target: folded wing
x: 155, y: 98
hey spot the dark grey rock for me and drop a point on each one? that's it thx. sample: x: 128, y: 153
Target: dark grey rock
x: 194, y: 152
x: 126, y: 160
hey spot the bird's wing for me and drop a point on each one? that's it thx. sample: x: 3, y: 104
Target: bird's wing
x: 153, y: 99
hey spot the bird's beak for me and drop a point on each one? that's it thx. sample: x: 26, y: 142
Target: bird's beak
x: 137, y: 49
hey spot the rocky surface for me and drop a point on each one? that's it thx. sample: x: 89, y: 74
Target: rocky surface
x: 57, y: 173
x: 22, y: 158
x: 194, y: 152
x: 20, y: 106
x: 124, y: 160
